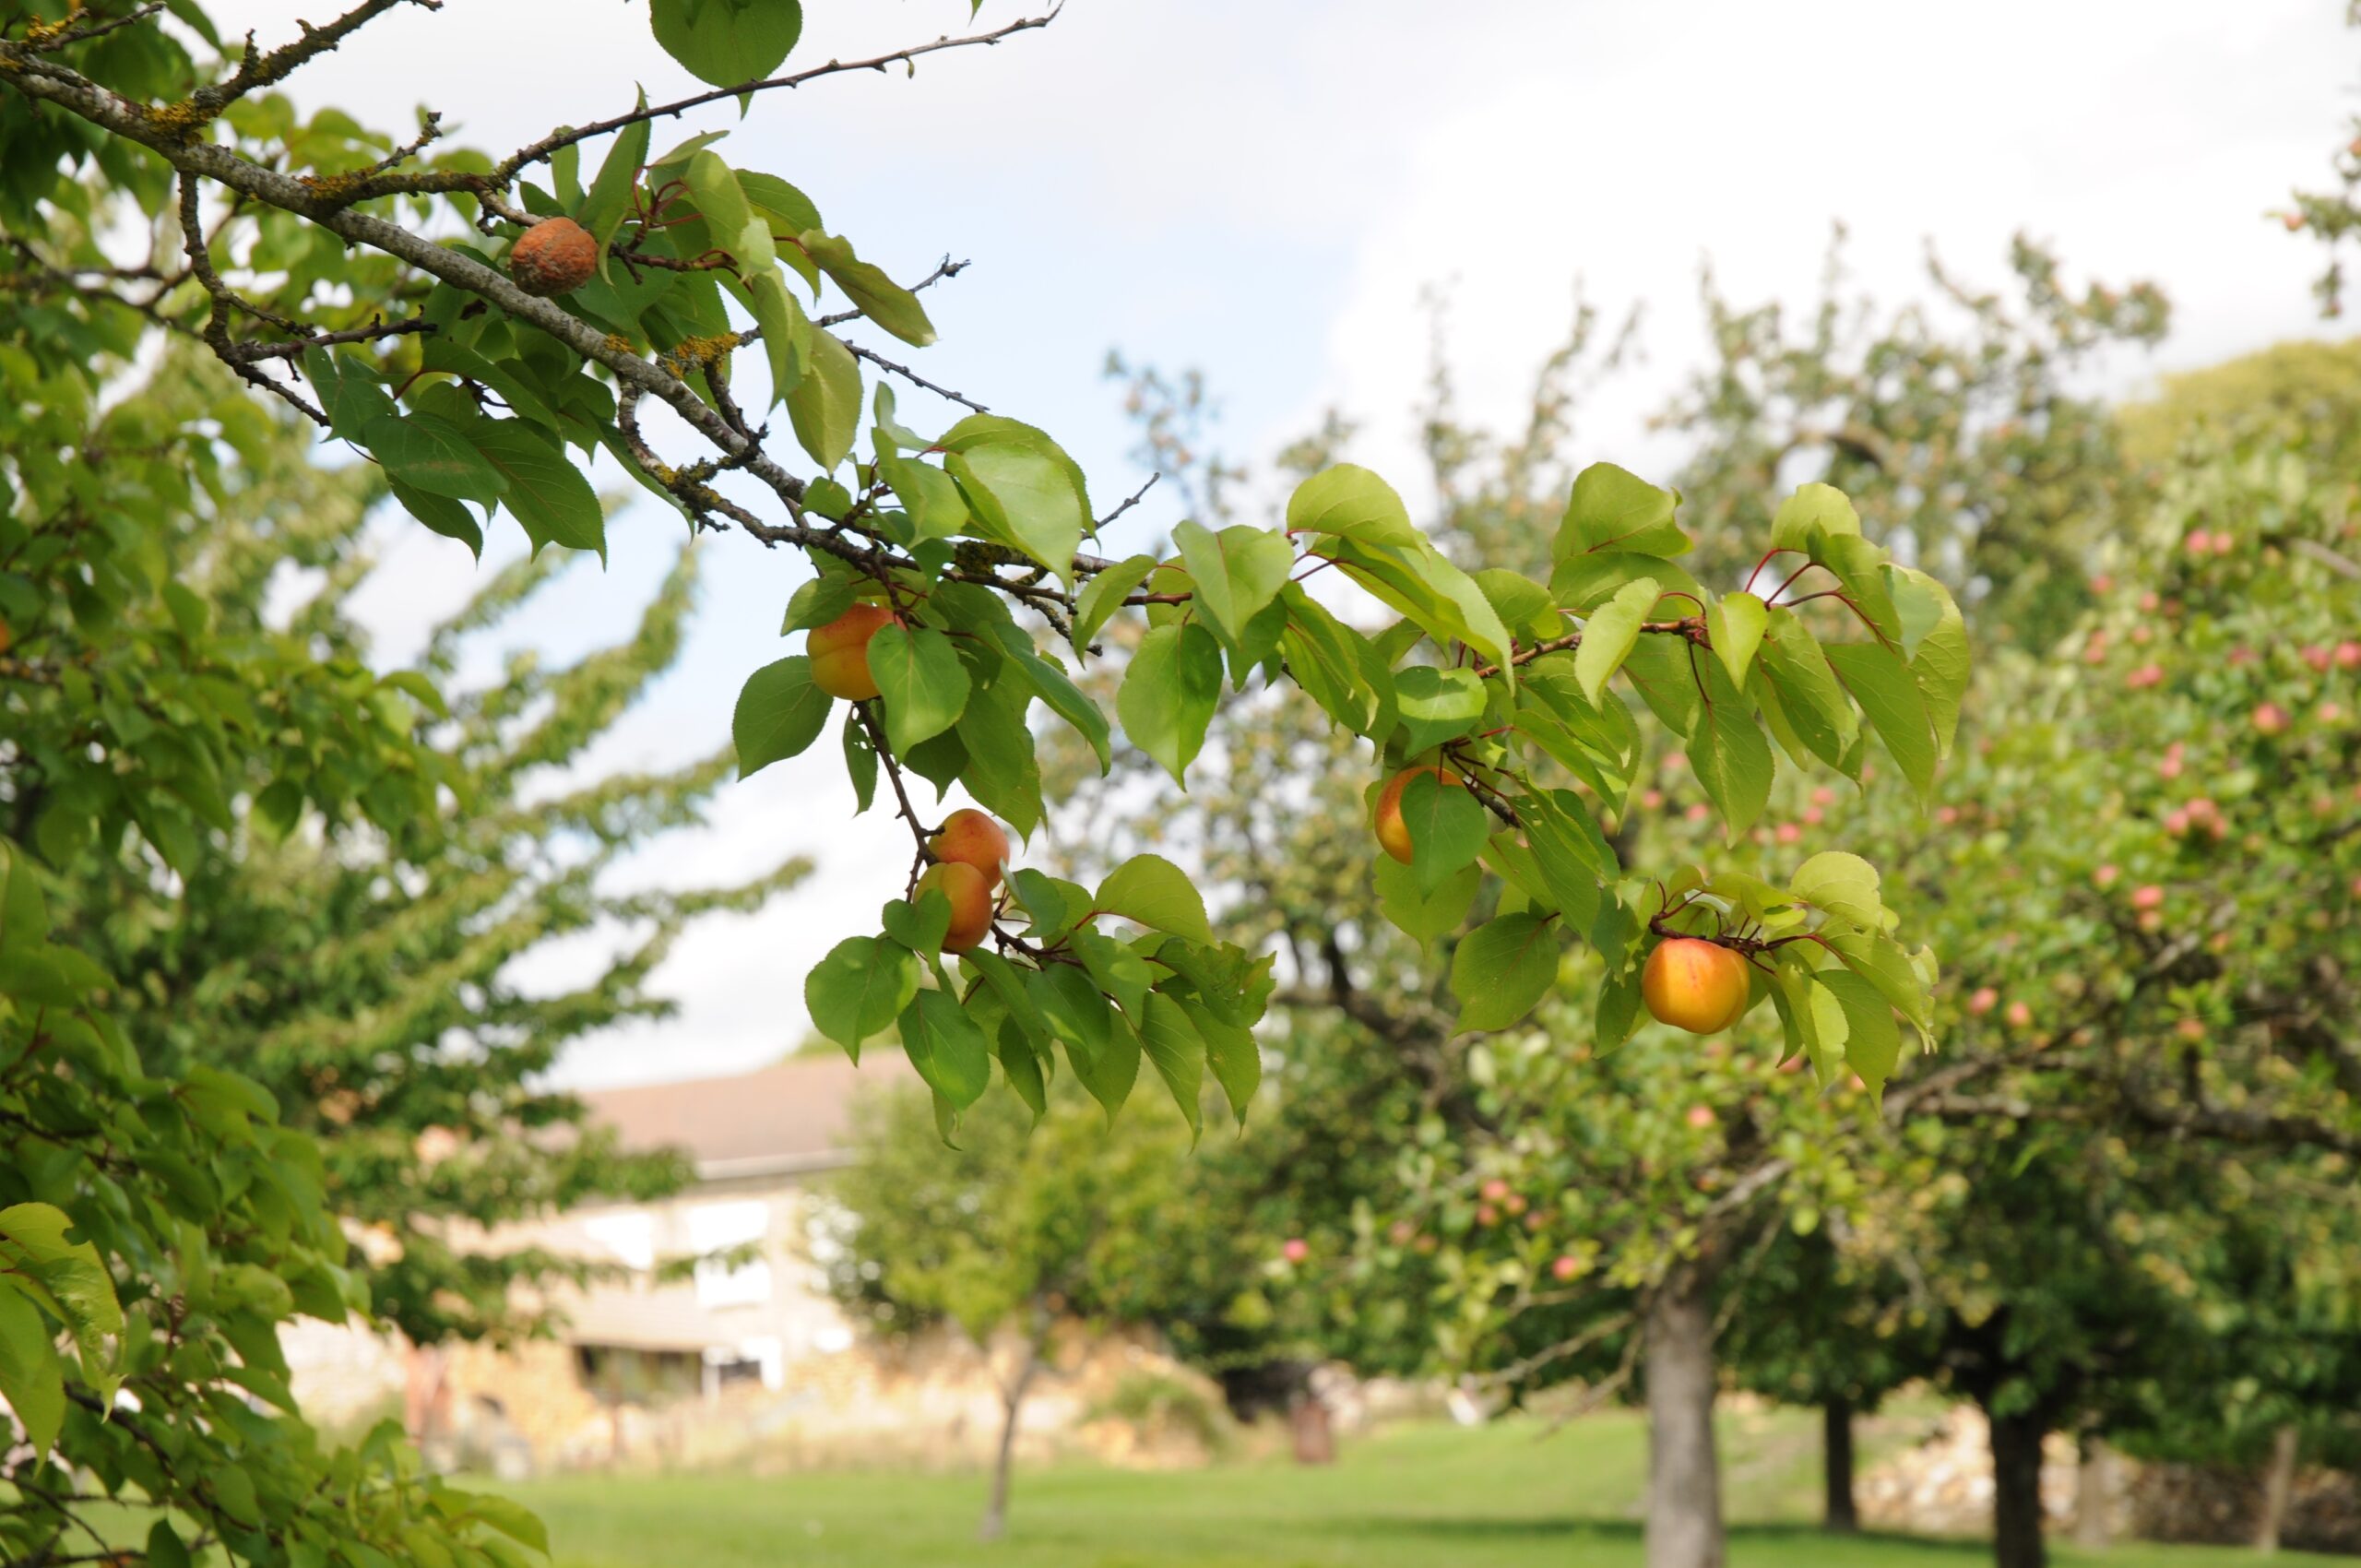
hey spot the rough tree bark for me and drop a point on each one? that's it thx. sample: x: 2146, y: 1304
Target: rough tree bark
x: 2016, y: 1491
x: 1684, y: 1527
x: 2094, y: 1489
x: 1842, y: 1516
x: 995, y: 1524
x: 2278, y: 1481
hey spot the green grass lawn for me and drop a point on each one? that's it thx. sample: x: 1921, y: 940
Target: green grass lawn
x: 1502, y: 1497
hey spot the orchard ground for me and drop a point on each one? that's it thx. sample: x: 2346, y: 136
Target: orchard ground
x: 1505, y: 1496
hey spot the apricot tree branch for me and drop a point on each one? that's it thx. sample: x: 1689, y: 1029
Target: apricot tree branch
x: 526, y: 156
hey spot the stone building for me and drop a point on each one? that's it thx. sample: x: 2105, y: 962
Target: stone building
x: 638, y: 1354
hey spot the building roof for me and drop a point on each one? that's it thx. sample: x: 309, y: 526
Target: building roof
x: 793, y: 1117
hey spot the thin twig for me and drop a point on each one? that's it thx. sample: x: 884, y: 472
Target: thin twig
x: 556, y: 140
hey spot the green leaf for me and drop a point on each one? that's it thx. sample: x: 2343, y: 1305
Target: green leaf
x: 1421, y: 584
x: 1351, y: 502
x: 1814, y: 505
x: 1238, y: 572
x: 1524, y: 604
x: 1880, y: 682
x: 859, y: 989
x: 727, y: 41
x: 729, y: 217
x: 790, y: 346
x: 1100, y: 1047
x: 543, y: 489
x: 825, y: 407
x: 1872, y: 1042
x: 1330, y: 661
x: 1103, y: 594
x: 1231, y: 1051
x: 873, y: 294
x: 1177, y: 1053
x: 1436, y: 705
x: 1168, y: 694
x: 428, y: 452
x: 1939, y: 666
x: 932, y: 499
x: 1730, y: 756
x: 887, y: 426
x: 610, y: 200
x: 1613, y: 508
x: 507, y: 1515
x: 1882, y: 962
x: 521, y: 394
x: 1003, y: 772
x: 1808, y: 695
x: 1053, y: 902
x: 1583, y: 583
x: 1813, y: 1012
x: 1027, y: 498
x: 349, y: 392
x: 1153, y: 892
x: 1860, y: 566
x: 1420, y: 916
x: 1609, y: 633
x: 920, y: 681
x: 819, y: 602
x: 1571, y: 854
x: 1009, y: 985
x: 1843, y: 885
x: 1447, y: 828
x: 1021, y: 1063
x: 861, y: 762
x: 1120, y: 973
x: 1051, y: 685
x: 32, y: 1374
x: 1502, y: 969
x: 946, y: 1047
x: 165, y: 1548
x: 991, y: 430
x: 779, y: 714
x: 439, y: 513
x: 1734, y: 626
x: 920, y: 926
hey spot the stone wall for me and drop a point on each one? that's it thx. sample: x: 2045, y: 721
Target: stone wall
x: 934, y: 1400
x: 2220, y: 1504
x: 1943, y: 1485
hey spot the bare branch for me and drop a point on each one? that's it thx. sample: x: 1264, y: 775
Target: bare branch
x: 525, y: 156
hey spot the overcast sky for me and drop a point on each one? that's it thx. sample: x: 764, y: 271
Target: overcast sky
x: 1262, y: 190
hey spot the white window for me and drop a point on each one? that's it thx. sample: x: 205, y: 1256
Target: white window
x: 713, y: 1226
x: 630, y: 1235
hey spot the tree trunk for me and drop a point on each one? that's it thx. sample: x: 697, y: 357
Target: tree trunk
x: 2277, y: 1482
x: 1684, y: 1474
x: 1842, y: 1516
x: 1315, y: 1433
x: 2093, y: 1491
x: 2016, y: 1491
x: 995, y: 1524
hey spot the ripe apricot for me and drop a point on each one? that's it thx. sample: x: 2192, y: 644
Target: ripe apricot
x: 839, y: 652
x: 1392, y: 832
x: 1695, y: 985
x: 971, y: 838
x: 971, y: 902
